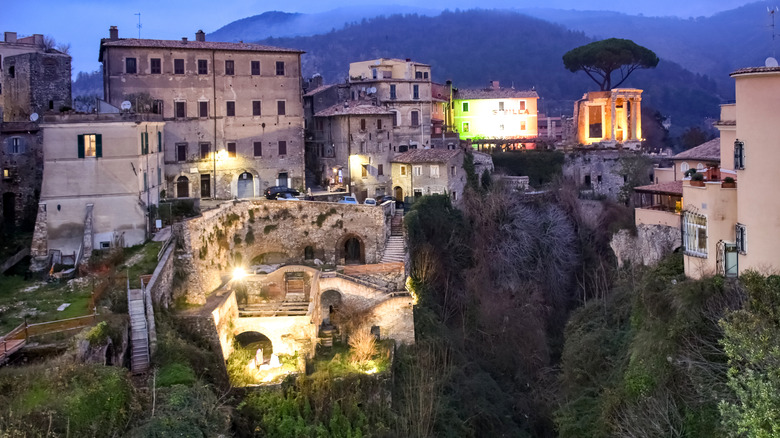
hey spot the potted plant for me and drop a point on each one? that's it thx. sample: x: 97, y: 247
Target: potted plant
x: 697, y: 179
x: 728, y: 183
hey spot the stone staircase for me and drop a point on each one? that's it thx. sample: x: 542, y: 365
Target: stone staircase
x: 139, y: 334
x: 278, y: 308
x: 395, y: 247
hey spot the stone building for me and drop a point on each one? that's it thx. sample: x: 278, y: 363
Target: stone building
x: 402, y: 87
x: 428, y: 172
x: 495, y: 112
x: 102, y: 177
x: 21, y: 172
x: 610, y: 118
x: 234, y: 111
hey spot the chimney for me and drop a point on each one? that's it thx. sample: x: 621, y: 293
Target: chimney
x: 113, y: 33
x: 408, y: 59
x: 10, y: 37
x: 494, y: 85
x: 184, y: 40
x: 200, y: 35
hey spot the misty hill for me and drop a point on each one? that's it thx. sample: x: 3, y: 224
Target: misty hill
x: 474, y: 47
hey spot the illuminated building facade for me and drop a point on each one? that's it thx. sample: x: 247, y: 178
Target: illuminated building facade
x: 610, y: 118
x: 495, y: 112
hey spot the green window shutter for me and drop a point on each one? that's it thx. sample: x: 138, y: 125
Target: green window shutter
x: 142, y: 143
x: 81, y: 146
x: 98, y: 145
x: 159, y: 141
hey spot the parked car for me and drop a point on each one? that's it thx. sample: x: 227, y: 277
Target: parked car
x: 271, y: 192
x: 384, y: 198
x: 370, y: 201
x: 286, y: 197
x: 348, y: 200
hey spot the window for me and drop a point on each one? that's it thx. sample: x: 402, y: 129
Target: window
x: 741, y: 238
x: 465, y: 107
x: 15, y: 145
x: 203, y: 109
x: 425, y: 75
x: 12, y: 71
x: 380, y: 169
x: 362, y: 124
x: 392, y: 92
x: 403, y: 170
x: 229, y: 67
x: 90, y: 145
x: 279, y: 68
x: 500, y: 106
x: 256, y: 108
x: 417, y: 170
x: 373, y: 73
x: 501, y: 127
x: 230, y: 109
x: 362, y: 147
x: 418, y: 75
x: 379, y: 124
x: 364, y: 170
x: 130, y: 66
x: 281, y: 107
x: 181, y: 109
x: 282, y: 147
x: 415, y: 118
x: 739, y: 155
x: 203, y: 67
x: 522, y: 126
x: 146, y: 182
x: 395, y: 118
x: 522, y: 105
x: 205, y: 148
x: 159, y: 176
x: 415, y: 91
x: 465, y: 126
x: 6, y: 173
x: 231, y: 149
x: 181, y: 151
x: 255, y: 68
x: 258, y: 148
x: 452, y: 170
x: 144, y: 143
x: 159, y: 141
x: 156, y: 66
x: 178, y: 66
x: 684, y: 167
x: 694, y: 234
x: 434, y: 170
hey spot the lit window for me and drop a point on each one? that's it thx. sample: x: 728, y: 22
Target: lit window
x: 90, y: 145
x: 364, y: 170
x: 6, y: 173
x: 522, y: 126
x: 500, y: 106
x: 465, y: 126
x: 695, y: 234
x: 231, y: 150
x: 403, y: 170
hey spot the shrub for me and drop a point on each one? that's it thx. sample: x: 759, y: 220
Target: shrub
x: 175, y: 374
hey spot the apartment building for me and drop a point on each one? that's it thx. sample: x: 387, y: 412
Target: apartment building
x: 428, y: 172
x: 495, y: 112
x: 233, y: 111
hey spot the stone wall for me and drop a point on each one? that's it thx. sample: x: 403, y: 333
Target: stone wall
x: 280, y: 232
x: 648, y: 247
x: 21, y: 154
x: 602, y: 168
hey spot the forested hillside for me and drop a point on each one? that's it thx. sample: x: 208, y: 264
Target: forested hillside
x: 474, y: 47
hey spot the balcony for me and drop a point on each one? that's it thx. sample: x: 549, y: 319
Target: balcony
x: 658, y: 204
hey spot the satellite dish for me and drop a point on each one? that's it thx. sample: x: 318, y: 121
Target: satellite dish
x: 771, y: 62
x: 126, y: 105
x: 34, y: 117
x: 372, y: 90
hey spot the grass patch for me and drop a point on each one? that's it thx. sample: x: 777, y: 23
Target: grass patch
x: 37, y: 301
x: 140, y: 260
x: 336, y: 361
x: 175, y: 374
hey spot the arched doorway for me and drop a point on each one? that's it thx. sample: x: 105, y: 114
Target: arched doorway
x: 353, y: 251
x: 308, y: 253
x: 182, y: 187
x: 399, y: 193
x: 254, y: 341
x: 330, y: 300
x: 245, y: 188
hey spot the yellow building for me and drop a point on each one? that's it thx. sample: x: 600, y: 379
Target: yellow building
x: 730, y: 230
x: 495, y: 112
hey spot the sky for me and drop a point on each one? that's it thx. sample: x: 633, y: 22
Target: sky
x: 82, y: 23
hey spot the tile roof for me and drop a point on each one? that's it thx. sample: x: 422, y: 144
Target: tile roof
x: 340, y: 110
x: 492, y: 93
x: 426, y: 156
x: 709, y: 151
x: 319, y: 89
x: 193, y: 45
x: 755, y: 70
x: 666, y: 188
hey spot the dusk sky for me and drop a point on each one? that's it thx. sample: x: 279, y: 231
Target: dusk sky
x: 83, y: 22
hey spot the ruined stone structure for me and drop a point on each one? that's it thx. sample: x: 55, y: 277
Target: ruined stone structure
x: 599, y: 172
x: 610, y: 118
x: 261, y: 232
x: 234, y: 110
x: 650, y: 244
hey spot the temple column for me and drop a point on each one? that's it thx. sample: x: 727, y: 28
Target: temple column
x: 610, y: 135
x: 636, y: 118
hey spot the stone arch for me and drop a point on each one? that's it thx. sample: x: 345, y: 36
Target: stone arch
x: 254, y: 340
x: 182, y: 187
x: 351, y: 250
x: 247, y: 183
x: 330, y: 300
x: 308, y: 253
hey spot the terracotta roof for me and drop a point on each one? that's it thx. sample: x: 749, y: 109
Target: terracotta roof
x: 426, y: 156
x: 709, y: 151
x: 492, y: 93
x: 756, y: 70
x: 340, y: 110
x: 191, y: 45
x: 666, y: 188
x: 319, y: 89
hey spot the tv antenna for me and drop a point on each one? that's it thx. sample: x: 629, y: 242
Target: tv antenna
x: 772, y: 12
x: 139, y: 25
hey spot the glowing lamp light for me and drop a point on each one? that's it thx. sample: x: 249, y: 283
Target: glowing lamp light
x: 239, y: 273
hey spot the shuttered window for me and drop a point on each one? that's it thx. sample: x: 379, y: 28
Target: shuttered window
x: 90, y: 145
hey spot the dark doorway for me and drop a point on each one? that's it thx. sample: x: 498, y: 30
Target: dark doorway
x: 353, y: 251
x: 9, y: 210
x: 205, y: 185
x: 282, y: 179
x: 308, y: 253
x: 246, y: 186
x: 182, y: 187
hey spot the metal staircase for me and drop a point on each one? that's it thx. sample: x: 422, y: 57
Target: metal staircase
x: 139, y: 334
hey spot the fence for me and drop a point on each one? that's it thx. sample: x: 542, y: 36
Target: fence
x: 18, y: 337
